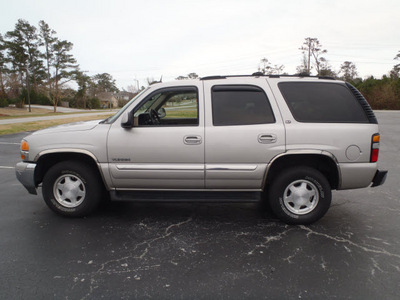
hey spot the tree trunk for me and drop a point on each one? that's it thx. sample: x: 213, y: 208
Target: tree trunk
x: 2, y: 89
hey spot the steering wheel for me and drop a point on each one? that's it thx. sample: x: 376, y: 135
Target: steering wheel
x: 155, y: 119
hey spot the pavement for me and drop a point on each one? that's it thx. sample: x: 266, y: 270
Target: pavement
x: 202, y: 251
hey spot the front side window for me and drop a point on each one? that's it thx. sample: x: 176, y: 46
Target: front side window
x: 169, y: 107
x: 240, y: 105
x: 319, y: 102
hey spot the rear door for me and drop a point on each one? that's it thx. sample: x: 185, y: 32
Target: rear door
x: 243, y: 132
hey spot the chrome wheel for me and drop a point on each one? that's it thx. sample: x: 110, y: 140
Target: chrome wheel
x: 69, y: 191
x: 301, y: 197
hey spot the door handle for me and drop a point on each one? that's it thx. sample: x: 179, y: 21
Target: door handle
x: 192, y: 140
x: 267, y: 138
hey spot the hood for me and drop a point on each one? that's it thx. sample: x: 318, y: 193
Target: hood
x: 78, y: 126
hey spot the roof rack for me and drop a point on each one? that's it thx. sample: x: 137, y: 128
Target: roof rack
x: 260, y: 74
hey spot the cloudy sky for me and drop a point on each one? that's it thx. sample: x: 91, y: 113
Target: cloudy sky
x: 133, y: 39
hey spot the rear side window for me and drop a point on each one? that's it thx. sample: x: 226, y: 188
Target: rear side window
x: 240, y: 105
x: 319, y: 102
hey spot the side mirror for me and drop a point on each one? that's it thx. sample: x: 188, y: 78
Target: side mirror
x: 126, y: 120
x: 161, y: 113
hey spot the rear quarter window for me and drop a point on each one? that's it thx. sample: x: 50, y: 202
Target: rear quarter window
x: 319, y: 102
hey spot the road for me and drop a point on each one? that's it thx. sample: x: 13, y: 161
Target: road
x: 202, y: 251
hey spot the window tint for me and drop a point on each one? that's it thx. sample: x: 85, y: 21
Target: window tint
x: 240, y: 105
x: 319, y: 102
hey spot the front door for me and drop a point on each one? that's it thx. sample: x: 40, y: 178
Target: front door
x: 165, y: 147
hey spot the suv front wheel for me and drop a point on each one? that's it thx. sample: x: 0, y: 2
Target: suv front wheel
x: 72, y: 189
x: 300, y: 195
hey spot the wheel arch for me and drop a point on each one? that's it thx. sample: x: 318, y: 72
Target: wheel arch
x: 322, y: 161
x: 45, y: 160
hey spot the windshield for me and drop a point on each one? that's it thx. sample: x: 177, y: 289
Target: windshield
x: 121, y: 111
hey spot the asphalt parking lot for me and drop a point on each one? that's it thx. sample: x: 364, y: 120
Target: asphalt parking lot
x: 202, y: 251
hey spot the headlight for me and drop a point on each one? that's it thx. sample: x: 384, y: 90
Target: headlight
x: 24, y: 150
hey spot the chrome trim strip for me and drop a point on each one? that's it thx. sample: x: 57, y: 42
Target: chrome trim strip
x: 231, y: 167
x: 161, y: 167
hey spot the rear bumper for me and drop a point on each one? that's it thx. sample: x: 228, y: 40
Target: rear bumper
x: 26, y: 175
x: 379, y: 178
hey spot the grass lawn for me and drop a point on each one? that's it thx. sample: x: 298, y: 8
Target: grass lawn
x: 32, y: 126
x: 12, y: 113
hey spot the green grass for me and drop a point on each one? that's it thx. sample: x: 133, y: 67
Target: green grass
x: 33, y: 126
x: 176, y: 114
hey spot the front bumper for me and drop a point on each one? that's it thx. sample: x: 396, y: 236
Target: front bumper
x: 26, y: 175
x: 379, y: 178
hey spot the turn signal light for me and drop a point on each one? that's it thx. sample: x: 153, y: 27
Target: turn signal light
x: 24, y: 146
x: 24, y: 150
x: 375, y: 147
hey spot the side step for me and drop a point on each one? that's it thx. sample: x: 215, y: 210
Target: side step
x: 186, y: 196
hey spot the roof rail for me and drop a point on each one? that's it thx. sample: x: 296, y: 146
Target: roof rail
x: 213, y: 77
x: 260, y: 74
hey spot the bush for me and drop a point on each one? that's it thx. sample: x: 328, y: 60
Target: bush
x: 381, y: 93
x: 3, y: 102
x: 93, y: 103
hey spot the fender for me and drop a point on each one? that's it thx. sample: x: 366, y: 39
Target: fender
x: 303, y: 152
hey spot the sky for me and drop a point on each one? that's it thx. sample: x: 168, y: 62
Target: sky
x: 134, y: 40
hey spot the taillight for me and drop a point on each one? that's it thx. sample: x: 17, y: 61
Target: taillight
x: 375, y: 147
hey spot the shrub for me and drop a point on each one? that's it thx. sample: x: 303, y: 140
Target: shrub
x: 3, y: 102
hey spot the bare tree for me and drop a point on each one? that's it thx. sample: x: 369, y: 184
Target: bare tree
x: 303, y: 68
x: 348, y: 71
x: 267, y: 68
x: 312, y: 48
x: 395, y: 72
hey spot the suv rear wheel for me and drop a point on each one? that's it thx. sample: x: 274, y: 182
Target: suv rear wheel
x: 72, y: 189
x: 300, y: 195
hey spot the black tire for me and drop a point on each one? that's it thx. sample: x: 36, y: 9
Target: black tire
x: 72, y: 189
x: 300, y: 195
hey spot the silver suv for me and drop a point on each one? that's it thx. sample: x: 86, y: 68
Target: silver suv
x: 284, y: 140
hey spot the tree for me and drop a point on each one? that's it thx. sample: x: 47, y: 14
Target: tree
x: 84, y: 82
x: 132, y: 89
x: 48, y: 41
x: 3, y: 67
x: 267, y: 68
x: 312, y: 48
x: 348, y: 71
x: 104, y: 83
x: 23, y: 45
x: 189, y: 76
x: 193, y: 76
x: 303, y: 68
x: 64, y: 68
x: 395, y: 72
